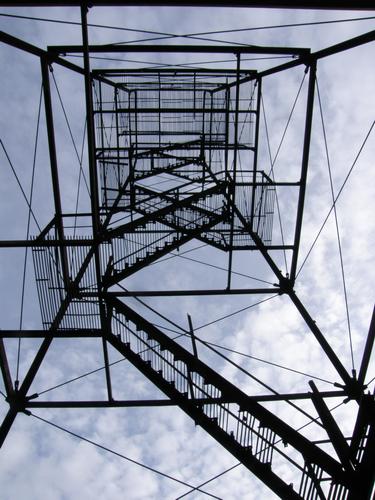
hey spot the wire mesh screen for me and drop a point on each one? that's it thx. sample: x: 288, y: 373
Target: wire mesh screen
x: 165, y: 122
x: 61, y: 305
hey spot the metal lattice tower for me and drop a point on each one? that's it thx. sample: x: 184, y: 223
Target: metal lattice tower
x: 174, y: 157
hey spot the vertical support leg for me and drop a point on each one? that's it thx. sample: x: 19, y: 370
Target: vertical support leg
x: 54, y: 169
x: 210, y: 137
x: 96, y: 226
x: 90, y: 128
x: 234, y: 177
x: 102, y: 142
x: 255, y: 161
x: 304, y: 168
x: 159, y: 105
x: 226, y: 152
x: 119, y: 177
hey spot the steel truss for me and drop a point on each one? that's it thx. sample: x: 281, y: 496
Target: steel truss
x: 185, y: 123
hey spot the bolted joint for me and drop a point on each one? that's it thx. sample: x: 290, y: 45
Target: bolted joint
x: 74, y: 290
x: 354, y: 389
x: 17, y: 402
x: 286, y: 285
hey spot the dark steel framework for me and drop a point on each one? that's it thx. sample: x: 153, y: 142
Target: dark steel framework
x: 185, y: 123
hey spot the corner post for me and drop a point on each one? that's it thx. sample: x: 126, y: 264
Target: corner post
x: 304, y: 168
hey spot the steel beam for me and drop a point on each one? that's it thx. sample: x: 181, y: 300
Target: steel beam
x: 345, y: 45
x: 7, y: 424
x: 263, y: 4
x: 46, y: 243
x: 207, y: 111
x: 140, y: 403
x: 136, y: 403
x: 232, y: 182
x: 324, y: 344
x: 256, y: 142
x: 183, y: 293
x: 62, y: 334
x: 54, y: 167
x: 94, y: 191
x: 216, y: 145
x: 336, y: 437
x: 304, y: 168
x: 36, y: 51
x: 90, y: 129
x: 315, y: 56
x: 170, y: 71
x: 193, y: 49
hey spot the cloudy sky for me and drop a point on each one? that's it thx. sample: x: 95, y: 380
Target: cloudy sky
x: 39, y: 461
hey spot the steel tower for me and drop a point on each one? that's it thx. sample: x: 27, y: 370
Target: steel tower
x: 173, y: 157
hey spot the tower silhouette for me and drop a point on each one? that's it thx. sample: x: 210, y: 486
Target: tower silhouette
x: 173, y: 156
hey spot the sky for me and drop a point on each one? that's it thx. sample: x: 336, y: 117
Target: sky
x: 41, y: 461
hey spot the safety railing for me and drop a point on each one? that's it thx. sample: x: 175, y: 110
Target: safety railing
x: 243, y: 427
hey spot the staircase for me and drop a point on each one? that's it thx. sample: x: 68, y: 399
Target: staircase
x: 246, y: 429
x: 211, y: 203
x: 169, y: 159
x: 163, y: 227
